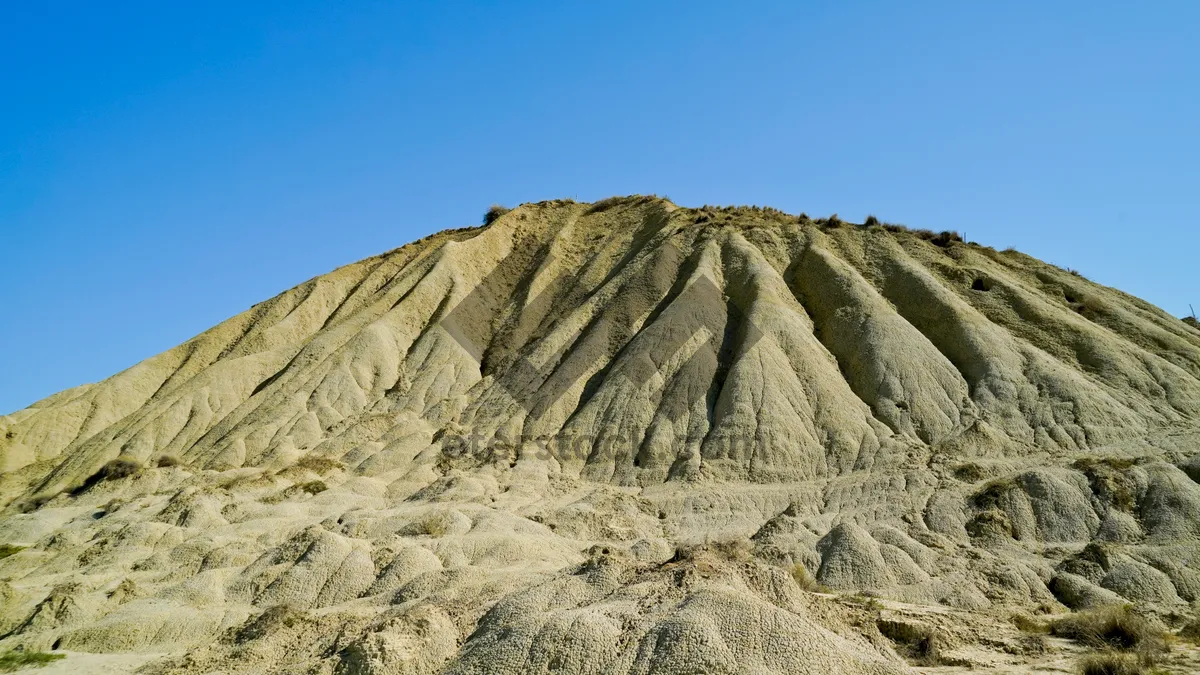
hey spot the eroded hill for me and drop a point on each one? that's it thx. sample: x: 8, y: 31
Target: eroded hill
x: 617, y: 437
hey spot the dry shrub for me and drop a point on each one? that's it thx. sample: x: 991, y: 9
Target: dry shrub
x: 992, y: 492
x: 871, y: 221
x: 1111, y: 663
x: 734, y: 549
x: 319, y: 465
x: 1088, y: 305
x: 123, y: 466
x: 832, y: 222
x: 990, y: 523
x: 1028, y: 624
x: 35, y: 502
x: 8, y: 549
x: 917, y: 642
x: 866, y: 601
x: 943, y: 238
x: 805, y: 579
x: 608, y: 203
x: 271, y: 620
x: 1192, y: 321
x: 166, y: 461
x: 970, y: 472
x: 493, y: 213
x: 19, y: 659
x: 312, y: 487
x: 1033, y: 644
x: 1117, y: 628
x: 1109, y: 480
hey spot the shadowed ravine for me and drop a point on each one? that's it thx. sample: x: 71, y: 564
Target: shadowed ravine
x: 619, y: 437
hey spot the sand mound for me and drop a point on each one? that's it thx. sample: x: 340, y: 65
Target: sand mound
x: 617, y: 437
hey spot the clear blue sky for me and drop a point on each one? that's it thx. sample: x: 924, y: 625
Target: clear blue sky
x: 164, y: 165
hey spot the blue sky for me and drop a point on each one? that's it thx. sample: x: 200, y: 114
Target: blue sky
x: 163, y: 166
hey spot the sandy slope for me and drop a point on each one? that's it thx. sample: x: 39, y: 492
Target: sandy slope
x: 606, y: 438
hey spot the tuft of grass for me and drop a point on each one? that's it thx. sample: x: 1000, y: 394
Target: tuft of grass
x: 1111, y: 663
x: 867, y: 602
x: 312, y: 487
x: 8, y: 549
x: 969, y: 472
x: 1109, y: 480
x: 1115, y: 628
x: 992, y: 492
x: 1192, y: 321
x: 608, y: 203
x: 18, y: 659
x: 35, y: 502
x: 832, y: 222
x: 942, y: 239
x: 166, y: 461
x: 871, y: 221
x: 271, y: 620
x: 123, y: 466
x: 1028, y: 624
x: 1087, y: 305
x: 989, y: 523
x: 805, y: 579
x: 319, y: 465
x: 493, y: 213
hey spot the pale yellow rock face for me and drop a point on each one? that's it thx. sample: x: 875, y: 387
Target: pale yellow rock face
x: 593, y: 438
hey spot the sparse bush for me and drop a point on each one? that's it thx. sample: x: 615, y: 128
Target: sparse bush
x: 18, y: 659
x: 805, y: 579
x: 35, y: 502
x: 8, y: 549
x: 436, y: 525
x: 916, y: 642
x: 1108, y: 479
x: 607, y: 203
x: 312, y: 487
x: 867, y: 602
x: 1088, y: 305
x: 319, y: 465
x: 871, y: 221
x: 734, y: 549
x: 1028, y: 624
x: 115, y: 469
x: 945, y: 238
x: 1033, y: 644
x: 1116, y: 628
x: 1191, y: 321
x: 992, y: 492
x: 969, y: 472
x: 990, y: 523
x: 166, y: 461
x: 493, y: 213
x: 1110, y: 663
x: 272, y: 619
x: 832, y: 221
